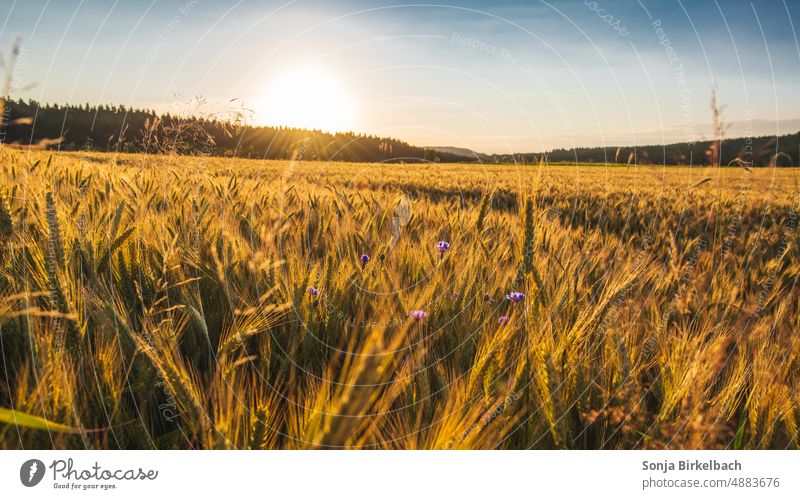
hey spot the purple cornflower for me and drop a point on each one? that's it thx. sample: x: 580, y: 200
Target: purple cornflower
x: 313, y: 291
x: 503, y: 320
x: 515, y: 296
x: 417, y: 314
x: 364, y: 259
x: 455, y: 294
x: 442, y: 246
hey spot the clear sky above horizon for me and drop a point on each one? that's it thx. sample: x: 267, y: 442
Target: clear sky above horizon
x: 501, y: 76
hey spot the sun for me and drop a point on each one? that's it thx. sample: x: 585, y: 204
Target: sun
x: 307, y: 98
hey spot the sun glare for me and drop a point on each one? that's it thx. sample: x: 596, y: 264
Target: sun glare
x: 307, y: 98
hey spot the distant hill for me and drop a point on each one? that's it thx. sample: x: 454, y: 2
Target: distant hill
x: 459, y: 151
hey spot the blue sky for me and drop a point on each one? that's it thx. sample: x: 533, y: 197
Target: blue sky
x: 495, y: 76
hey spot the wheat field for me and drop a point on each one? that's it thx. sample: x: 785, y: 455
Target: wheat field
x: 188, y: 302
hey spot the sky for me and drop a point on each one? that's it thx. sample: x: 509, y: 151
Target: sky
x: 496, y: 77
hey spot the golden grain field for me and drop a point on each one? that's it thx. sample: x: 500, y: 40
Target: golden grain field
x: 185, y: 302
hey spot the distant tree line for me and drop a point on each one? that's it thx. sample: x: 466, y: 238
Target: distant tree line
x: 117, y: 128
x: 759, y: 151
